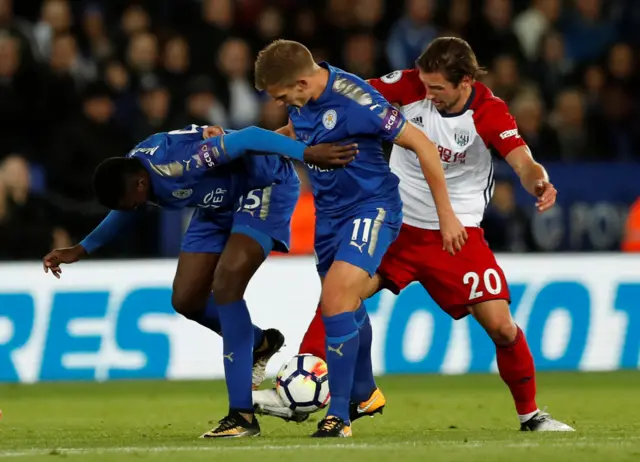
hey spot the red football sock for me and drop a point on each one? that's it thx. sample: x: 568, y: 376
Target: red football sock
x: 313, y: 341
x: 516, y: 367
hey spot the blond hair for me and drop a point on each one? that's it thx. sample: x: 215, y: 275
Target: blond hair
x: 281, y: 63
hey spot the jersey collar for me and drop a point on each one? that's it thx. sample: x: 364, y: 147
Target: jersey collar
x: 466, y: 107
x: 327, y: 91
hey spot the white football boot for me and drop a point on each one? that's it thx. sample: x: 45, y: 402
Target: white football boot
x: 543, y: 422
x: 267, y: 402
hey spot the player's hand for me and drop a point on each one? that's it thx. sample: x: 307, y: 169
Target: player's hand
x: 212, y: 132
x: 328, y: 155
x: 55, y: 258
x: 546, y: 194
x: 454, y: 235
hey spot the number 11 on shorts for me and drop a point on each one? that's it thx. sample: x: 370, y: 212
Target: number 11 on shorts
x: 366, y: 229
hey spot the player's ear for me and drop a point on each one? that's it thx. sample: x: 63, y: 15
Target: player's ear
x: 303, y: 84
x: 466, y: 81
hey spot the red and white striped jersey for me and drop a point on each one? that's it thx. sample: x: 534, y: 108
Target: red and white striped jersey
x: 463, y: 140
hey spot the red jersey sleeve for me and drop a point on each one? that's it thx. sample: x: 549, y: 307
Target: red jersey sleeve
x: 400, y: 87
x: 495, y: 124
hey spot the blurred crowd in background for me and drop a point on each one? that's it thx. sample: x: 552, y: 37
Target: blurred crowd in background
x: 81, y: 81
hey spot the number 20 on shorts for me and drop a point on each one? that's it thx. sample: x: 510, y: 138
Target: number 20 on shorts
x: 491, y: 281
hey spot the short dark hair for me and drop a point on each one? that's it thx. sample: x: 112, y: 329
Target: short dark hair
x: 110, y: 179
x: 281, y: 63
x: 453, y: 57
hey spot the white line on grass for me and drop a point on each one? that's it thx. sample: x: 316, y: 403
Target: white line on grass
x: 570, y: 442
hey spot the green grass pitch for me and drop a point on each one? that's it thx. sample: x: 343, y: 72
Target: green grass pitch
x: 428, y: 418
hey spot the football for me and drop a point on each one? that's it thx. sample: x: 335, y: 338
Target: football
x: 303, y: 384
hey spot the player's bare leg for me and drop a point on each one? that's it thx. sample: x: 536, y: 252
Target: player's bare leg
x: 515, y: 364
x: 192, y: 287
x: 193, y: 299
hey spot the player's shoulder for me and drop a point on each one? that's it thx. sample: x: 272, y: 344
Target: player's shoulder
x: 485, y: 103
x: 494, y: 122
x: 150, y: 146
x: 403, y: 87
x: 353, y: 90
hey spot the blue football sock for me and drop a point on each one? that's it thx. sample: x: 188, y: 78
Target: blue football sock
x: 363, y: 382
x: 237, y: 337
x: 210, y: 319
x: 342, y: 351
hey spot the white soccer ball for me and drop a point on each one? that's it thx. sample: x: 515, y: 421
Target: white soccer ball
x: 303, y: 384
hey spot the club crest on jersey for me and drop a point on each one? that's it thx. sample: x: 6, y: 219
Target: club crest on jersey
x: 329, y: 119
x: 182, y: 193
x: 461, y: 137
x: 392, y: 77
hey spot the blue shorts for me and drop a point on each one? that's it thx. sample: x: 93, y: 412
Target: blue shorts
x: 360, y: 239
x: 263, y: 214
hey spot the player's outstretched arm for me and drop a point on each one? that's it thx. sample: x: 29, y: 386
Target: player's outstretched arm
x: 453, y: 233
x: 228, y: 147
x: 533, y: 176
x: 104, y: 233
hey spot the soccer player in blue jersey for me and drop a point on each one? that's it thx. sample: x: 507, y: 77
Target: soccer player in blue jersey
x: 242, y: 211
x: 358, y: 207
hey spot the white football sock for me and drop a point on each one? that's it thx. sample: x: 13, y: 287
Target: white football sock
x: 525, y: 417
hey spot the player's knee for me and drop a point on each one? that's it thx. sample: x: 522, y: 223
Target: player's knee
x: 230, y: 282
x: 343, y: 288
x: 502, y: 332
x: 339, y: 297
x: 331, y: 305
x: 186, y: 304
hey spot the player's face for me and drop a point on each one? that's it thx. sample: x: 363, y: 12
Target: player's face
x: 138, y: 194
x: 442, y: 93
x: 293, y: 95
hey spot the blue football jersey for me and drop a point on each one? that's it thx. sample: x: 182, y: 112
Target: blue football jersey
x: 350, y: 110
x: 181, y: 175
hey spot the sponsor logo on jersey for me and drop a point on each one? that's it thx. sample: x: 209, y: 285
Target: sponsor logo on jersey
x: 213, y: 199
x: 418, y: 121
x: 392, y: 120
x: 209, y: 155
x: 148, y: 151
x: 451, y: 157
x: 509, y: 133
x: 315, y: 168
x: 353, y: 91
x: 329, y: 119
x: 461, y: 136
x: 392, y: 77
x: 182, y: 193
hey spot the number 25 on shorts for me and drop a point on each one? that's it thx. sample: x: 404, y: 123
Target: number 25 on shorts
x: 256, y: 202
